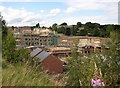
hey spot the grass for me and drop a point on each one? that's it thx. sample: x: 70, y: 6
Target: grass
x: 24, y: 75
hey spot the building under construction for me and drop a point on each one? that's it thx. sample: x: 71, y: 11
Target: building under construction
x: 37, y: 37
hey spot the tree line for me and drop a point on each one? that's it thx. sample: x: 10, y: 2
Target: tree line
x: 87, y: 29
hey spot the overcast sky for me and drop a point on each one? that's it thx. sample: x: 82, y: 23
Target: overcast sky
x: 47, y: 12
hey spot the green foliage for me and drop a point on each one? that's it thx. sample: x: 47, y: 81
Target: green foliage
x: 4, y: 29
x: 79, y: 24
x: 74, y: 30
x: 24, y: 75
x: 61, y: 30
x: 73, y: 70
x: 88, y: 29
x: 54, y: 41
x: 102, y: 33
x: 13, y: 27
x: 37, y: 25
x: 54, y: 27
x: 8, y: 49
x: 80, y: 68
x: 67, y: 31
x: 63, y: 24
x: 0, y: 40
x: 109, y: 29
x: 96, y: 32
x: 21, y: 55
x: 90, y: 25
x: 83, y: 32
x: 15, y: 71
x: 111, y: 64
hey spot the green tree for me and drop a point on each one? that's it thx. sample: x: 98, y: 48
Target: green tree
x: 102, y: 32
x: 67, y: 31
x: 4, y: 29
x: 54, y: 38
x: 83, y: 32
x: 9, y: 47
x: 111, y: 62
x: 54, y: 27
x: 79, y: 24
x: 63, y: 24
x: 109, y: 29
x: 37, y: 25
x: 96, y: 32
x: 0, y: 33
x: 88, y: 25
x: 80, y: 68
x: 73, y: 72
x: 50, y: 27
x: 61, y: 30
x: 9, y: 51
x: 74, y: 30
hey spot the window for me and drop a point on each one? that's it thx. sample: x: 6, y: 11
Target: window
x: 26, y: 39
x: 49, y: 40
x: 44, y: 39
x: 32, y: 43
x: 45, y: 43
x: 36, y: 39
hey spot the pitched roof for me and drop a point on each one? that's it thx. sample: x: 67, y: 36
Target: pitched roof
x: 39, y: 54
x: 35, y: 52
x: 43, y: 55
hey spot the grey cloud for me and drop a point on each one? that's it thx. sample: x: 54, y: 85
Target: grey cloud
x: 16, y: 20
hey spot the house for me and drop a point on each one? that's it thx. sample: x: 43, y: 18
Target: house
x: 87, y: 49
x: 48, y: 62
x: 90, y: 44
